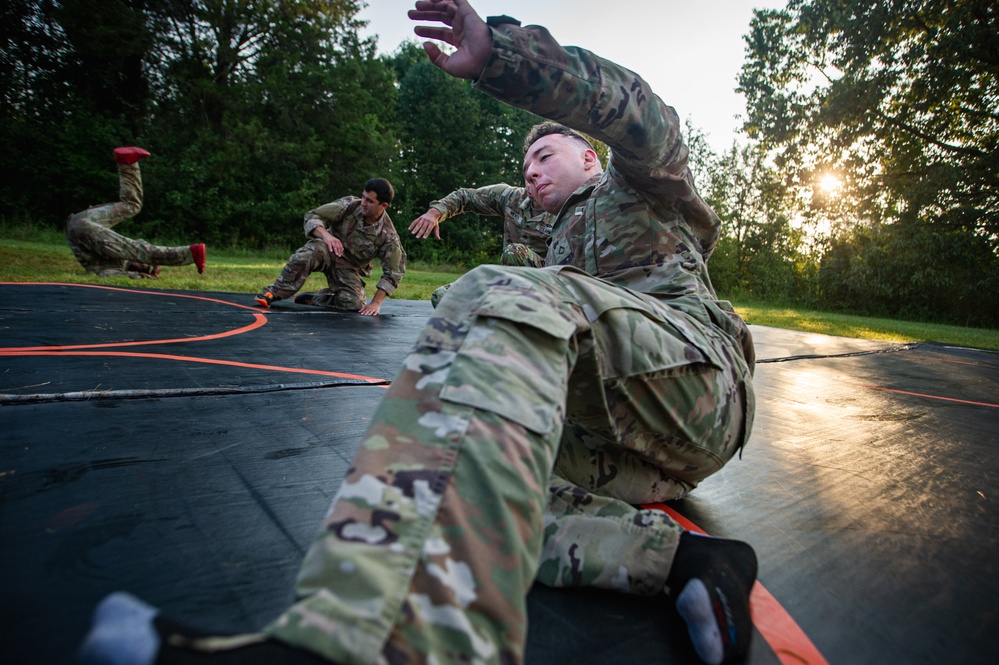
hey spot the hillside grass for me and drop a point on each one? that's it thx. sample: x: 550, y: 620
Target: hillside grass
x: 32, y: 255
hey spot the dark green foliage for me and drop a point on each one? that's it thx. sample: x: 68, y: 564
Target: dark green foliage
x: 761, y: 254
x: 63, y: 106
x: 254, y: 114
x: 110, y: 43
x: 904, y: 271
x: 452, y: 136
x: 311, y: 125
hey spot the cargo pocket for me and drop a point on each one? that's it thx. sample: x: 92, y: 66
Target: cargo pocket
x: 641, y: 337
x: 514, y: 361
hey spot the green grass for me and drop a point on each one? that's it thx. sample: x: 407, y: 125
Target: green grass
x: 32, y: 255
x: 49, y: 259
x: 848, y: 325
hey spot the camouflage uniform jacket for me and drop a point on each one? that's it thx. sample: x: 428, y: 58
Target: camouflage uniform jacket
x: 362, y: 242
x: 522, y: 222
x: 641, y: 224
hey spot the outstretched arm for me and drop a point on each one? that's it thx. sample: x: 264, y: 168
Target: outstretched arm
x: 488, y: 201
x: 466, y: 31
x: 527, y: 68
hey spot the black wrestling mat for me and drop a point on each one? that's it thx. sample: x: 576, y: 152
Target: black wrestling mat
x: 184, y: 447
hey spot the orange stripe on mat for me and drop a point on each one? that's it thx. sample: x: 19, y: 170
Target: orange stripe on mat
x: 144, y: 292
x: 259, y: 320
x: 190, y: 359
x: 945, y: 399
x: 784, y: 636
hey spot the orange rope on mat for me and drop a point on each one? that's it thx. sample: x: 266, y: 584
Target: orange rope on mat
x: 145, y: 292
x: 945, y: 399
x: 259, y: 320
x: 193, y: 359
x: 784, y: 636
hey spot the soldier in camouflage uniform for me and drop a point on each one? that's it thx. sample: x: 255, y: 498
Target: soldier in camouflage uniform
x: 537, y: 407
x: 109, y: 254
x: 346, y: 236
x: 526, y: 227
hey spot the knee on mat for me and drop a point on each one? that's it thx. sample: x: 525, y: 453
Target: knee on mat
x: 348, y: 302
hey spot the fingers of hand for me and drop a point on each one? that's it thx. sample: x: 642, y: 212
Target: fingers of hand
x: 433, y: 32
x: 433, y: 11
x: 436, y: 56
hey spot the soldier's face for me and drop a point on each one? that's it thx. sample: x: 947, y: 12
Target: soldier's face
x: 555, y: 166
x: 371, y: 209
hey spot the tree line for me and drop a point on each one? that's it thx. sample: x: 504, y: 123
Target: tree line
x: 257, y: 112
x: 896, y: 103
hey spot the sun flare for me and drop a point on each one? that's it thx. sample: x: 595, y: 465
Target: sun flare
x: 830, y: 184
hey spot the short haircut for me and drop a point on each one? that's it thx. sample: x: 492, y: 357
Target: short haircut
x: 382, y: 189
x: 548, y: 128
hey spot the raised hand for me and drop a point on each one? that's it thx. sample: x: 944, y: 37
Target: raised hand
x: 427, y: 223
x: 467, y: 32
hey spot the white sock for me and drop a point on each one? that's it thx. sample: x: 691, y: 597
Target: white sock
x: 121, y: 633
x: 694, y: 605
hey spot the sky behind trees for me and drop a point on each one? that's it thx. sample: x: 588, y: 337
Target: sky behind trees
x: 689, y: 52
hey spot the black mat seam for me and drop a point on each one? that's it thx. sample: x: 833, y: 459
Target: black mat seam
x: 87, y: 395
x: 852, y: 354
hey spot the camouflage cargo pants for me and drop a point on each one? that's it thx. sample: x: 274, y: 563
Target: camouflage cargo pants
x: 106, y: 253
x: 345, y: 290
x: 514, y: 254
x: 451, y: 509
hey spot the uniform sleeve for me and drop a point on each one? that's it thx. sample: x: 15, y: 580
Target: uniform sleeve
x: 393, y: 259
x: 327, y: 216
x: 489, y: 201
x: 577, y: 88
